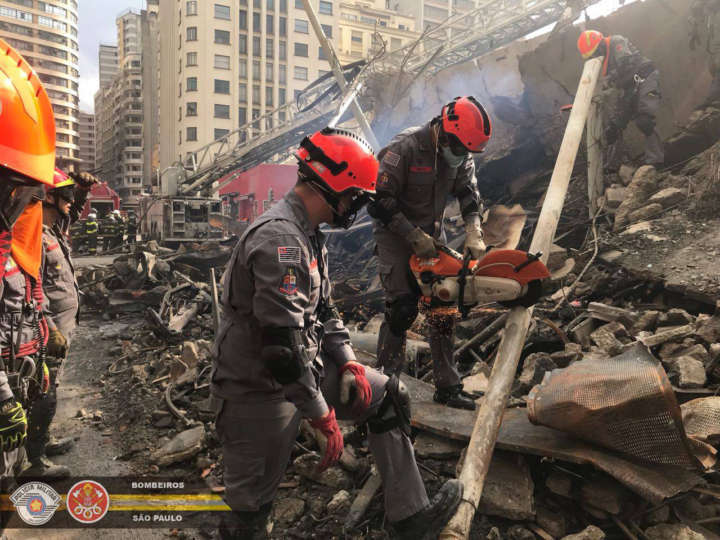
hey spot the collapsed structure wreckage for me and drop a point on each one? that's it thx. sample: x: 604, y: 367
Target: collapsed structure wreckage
x: 613, y: 415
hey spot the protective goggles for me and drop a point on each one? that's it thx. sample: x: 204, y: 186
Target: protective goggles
x: 15, y: 194
x: 451, y: 141
x: 66, y: 193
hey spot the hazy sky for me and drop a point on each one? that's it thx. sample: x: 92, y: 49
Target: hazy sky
x: 97, y: 25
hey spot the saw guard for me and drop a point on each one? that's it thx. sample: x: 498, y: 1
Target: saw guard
x: 511, y: 264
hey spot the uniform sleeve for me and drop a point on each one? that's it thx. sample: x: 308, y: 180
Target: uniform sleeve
x: 280, y: 268
x: 392, y: 176
x: 46, y: 301
x: 466, y: 189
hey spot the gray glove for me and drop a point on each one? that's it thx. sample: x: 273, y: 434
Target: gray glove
x: 422, y: 243
x: 474, y: 237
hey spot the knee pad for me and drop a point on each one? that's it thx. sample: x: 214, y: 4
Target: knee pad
x: 394, y: 411
x: 645, y: 123
x: 401, y: 313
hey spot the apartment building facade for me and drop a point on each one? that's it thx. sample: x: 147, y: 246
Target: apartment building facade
x: 365, y: 24
x: 87, y: 141
x: 224, y: 63
x: 107, y: 63
x: 46, y: 34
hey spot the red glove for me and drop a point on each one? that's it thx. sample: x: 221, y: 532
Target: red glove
x: 330, y: 431
x: 352, y: 376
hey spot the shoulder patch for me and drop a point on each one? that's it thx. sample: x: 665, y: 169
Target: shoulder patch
x: 288, y: 284
x: 383, y: 180
x: 288, y: 254
x: 391, y: 158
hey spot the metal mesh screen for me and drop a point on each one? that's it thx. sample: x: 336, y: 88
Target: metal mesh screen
x: 625, y: 403
x: 701, y: 418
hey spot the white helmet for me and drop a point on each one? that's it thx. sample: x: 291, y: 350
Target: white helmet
x: 116, y: 212
x: 92, y: 215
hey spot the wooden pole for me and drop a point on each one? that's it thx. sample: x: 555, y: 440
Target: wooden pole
x: 595, y: 155
x: 489, y: 417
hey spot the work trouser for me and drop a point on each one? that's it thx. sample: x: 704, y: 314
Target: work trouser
x: 401, y: 292
x: 257, y: 436
x: 641, y: 104
x: 92, y: 241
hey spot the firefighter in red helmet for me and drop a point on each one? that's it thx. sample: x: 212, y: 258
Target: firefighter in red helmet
x: 27, y: 162
x: 419, y: 169
x: 282, y: 352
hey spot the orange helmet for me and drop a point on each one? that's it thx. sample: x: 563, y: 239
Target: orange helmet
x: 588, y: 42
x: 339, y: 163
x: 466, y: 124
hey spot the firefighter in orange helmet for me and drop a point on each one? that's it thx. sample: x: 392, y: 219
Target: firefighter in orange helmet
x: 27, y: 162
x: 638, y: 81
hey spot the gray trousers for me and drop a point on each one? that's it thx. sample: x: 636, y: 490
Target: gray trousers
x: 400, y: 287
x: 257, y: 437
x: 640, y: 104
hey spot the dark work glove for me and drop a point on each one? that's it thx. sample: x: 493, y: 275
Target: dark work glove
x: 84, y: 180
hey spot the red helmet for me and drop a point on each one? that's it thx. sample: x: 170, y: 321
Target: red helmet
x: 467, y: 121
x: 27, y: 124
x: 339, y: 159
x: 340, y: 163
x: 588, y: 42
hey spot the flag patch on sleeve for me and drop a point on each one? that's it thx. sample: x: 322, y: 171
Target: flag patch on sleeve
x: 391, y: 158
x: 288, y: 254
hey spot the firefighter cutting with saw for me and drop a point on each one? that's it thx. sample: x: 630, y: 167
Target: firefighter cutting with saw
x: 419, y: 169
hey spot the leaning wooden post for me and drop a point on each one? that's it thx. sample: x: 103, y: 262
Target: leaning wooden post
x: 595, y: 155
x: 489, y: 417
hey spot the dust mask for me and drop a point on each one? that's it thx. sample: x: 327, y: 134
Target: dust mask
x: 451, y: 159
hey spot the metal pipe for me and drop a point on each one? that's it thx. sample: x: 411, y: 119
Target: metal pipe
x: 489, y: 417
x: 339, y: 77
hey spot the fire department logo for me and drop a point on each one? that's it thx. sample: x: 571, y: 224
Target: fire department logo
x: 289, y: 283
x: 87, y: 501
x: 35, y: 502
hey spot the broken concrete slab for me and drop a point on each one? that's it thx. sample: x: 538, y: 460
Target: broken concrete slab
x: 306, y: 466
x: 340, y: 502
x: 181, y: 447
x: 666, y: 334
x: 553, y: 522
x: 431, y: 446
x: 605, y: 337
x: 560, y: 483
x: 605, y: 494
x: 668, y: 197
x: 591, y: 532
x: 509, y: 489
x: 644, y: 213
x: 675, y: 317
x: 646, y: 322
x: 534, y: 368
x: 641, y: 227
x: 287, y: 510
x: 604, y: 312
x: 674, y: 350
x: 641, y: 187
x: 572, y: 353
x: 614, y: 196
x: 626, y: 173
x: 687, y: 372
x: 709, y: 329
x: 674, y: 531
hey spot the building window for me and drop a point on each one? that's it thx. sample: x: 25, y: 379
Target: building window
x: 268, y: 96
x: 222, y: 61
x: 282, y: 53
x: 191, y: 33
x: 282, y: 26
x: 256, y: 22
x: 191, y: 7
x: 300, y: 73
x: 327, y: 30
x: 301, y: 27
x: 325, y: 7
x: 243, y: 71
x: 268, y: 71
x: 270, y: 5
x: 356, y: 37
x: 191, y: 84
x: 242, y: 19
x: 301, y: 49
x: 220, y: 133
x: 269, y: 47
x: 321, y: 54
x: 269, y: 24
x: 299, y: 4
x: 222, y: 111
x: 242, y: 93
x: 222, y: 87
x: 281, y: 96
x: 191, y: 108
x: 256, y: 70
x: 256, y: 95
x: 223, y: 12
x: 242, y: 44
x: 191, y: 134
x: 242, y: 116
x: 282, y: 74
x: 222, y: 37
x: 191, y: 59
x: 283, y: 6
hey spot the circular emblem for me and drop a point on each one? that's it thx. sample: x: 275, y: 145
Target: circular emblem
x: 35, y: 502
x: 87, y: 501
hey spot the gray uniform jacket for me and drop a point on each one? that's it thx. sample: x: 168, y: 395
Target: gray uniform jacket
x: 14, y: 322
x: 416, y: 181
x: 59, y: 283
x: 277, y: 277
x: 624, y: 62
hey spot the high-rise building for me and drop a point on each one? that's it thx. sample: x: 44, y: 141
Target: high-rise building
x: 430, y: 13
x: 46, y: 34
x: 87, y: 141
x: 363, y: 24
x: 227, y: 62
x: 107, y: 63
x: 122, y: 109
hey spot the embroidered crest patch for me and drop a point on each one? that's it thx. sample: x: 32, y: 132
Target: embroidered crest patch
x: 288, y: 286
x: 288, y: 254
x: 383, y: 180
x: 391, y: 158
